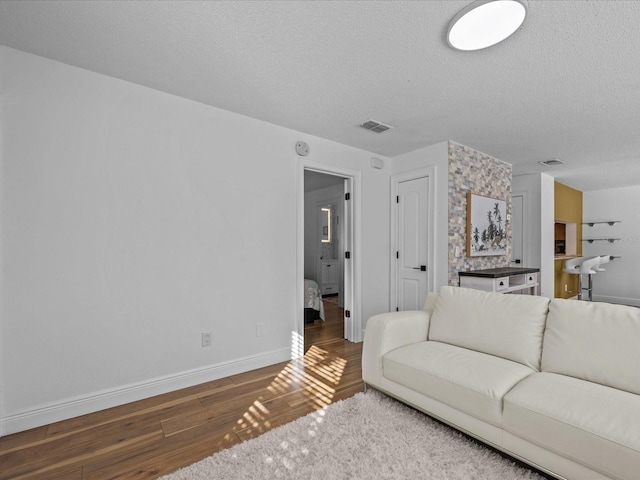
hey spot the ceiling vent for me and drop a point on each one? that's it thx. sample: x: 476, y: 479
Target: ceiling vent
x: 551, y: 163
x: 375, y: 126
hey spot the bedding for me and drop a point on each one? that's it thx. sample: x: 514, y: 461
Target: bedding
x: 313, y: 299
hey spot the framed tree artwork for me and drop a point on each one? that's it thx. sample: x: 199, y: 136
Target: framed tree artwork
x: 486, y: 226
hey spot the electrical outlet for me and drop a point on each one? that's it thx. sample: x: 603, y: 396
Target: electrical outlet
x: 565, y: 287
x: 259, y: 330
x: 206, y: 339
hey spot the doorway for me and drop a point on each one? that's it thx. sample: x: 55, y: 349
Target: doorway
x: 341, y: 220
x: 324, y: 205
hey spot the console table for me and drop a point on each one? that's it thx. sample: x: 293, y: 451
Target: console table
x: 502, y: 280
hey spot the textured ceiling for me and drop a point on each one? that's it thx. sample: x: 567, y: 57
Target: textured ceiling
x: 566, y: 85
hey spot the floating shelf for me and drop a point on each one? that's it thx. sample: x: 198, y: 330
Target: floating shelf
x: 609, y: 222
x: 610, y: 240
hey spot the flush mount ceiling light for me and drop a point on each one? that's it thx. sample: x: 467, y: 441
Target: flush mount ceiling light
x: 484, y: 23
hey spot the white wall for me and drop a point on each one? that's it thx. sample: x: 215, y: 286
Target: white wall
x: 619, y: 283
x: 547, y: 247
x: 132, y: 221
x: 538, y: 210
x: 2, y: 262
x: 373, y: 261
x: 438, y: 156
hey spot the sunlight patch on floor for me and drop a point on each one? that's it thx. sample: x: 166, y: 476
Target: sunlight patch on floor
x: 309, y: 381
x: 297, y: 345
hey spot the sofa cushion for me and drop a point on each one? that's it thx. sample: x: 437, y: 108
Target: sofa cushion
x: 508, y: 326
x: 430, y: 302
x: 594, y: 341
x: 591, y: 424
x: 470, y: 381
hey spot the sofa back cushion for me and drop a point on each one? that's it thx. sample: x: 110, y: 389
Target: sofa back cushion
x: 594, y: 341
x: 507, y: 326
x: 430, y: 302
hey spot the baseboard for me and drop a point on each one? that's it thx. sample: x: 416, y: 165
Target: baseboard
x: 74, y: 407
x: 634, y: 302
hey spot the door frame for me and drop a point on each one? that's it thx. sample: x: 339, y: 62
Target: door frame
x: 396, y: 180
x: 353, y: 324
x: 526, y: 252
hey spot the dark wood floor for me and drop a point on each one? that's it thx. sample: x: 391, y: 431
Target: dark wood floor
x: 156, y: 436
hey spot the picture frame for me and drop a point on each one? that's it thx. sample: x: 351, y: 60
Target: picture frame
x: 486, y: 226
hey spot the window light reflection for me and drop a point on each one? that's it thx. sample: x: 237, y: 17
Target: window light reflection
x: 306, y: 384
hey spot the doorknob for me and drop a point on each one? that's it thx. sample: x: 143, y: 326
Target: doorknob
x: 422, y: 268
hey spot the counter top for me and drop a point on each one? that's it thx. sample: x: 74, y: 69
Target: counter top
x: 499, y: 272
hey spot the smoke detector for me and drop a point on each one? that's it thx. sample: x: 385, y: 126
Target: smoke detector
x: 375, y: 126
x: 551, y: 163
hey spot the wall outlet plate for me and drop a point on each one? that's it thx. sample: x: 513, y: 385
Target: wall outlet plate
x: 206, y: 339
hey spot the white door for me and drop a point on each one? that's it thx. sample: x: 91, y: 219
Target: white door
x: 517, y: 232
x: 412, y: 243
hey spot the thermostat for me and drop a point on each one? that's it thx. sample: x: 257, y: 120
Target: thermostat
x: 302, y: 149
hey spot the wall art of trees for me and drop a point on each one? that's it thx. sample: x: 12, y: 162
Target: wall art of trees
x: 487, y: 226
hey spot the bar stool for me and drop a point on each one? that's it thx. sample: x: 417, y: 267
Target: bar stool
x: 583, y: 266
x: 603, y: 259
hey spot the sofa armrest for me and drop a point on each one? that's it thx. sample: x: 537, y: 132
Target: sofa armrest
x: 386, y: 332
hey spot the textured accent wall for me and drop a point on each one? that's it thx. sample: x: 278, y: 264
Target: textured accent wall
x: 475, y: 172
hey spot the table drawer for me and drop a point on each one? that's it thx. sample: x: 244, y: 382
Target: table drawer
x: 502, y: 283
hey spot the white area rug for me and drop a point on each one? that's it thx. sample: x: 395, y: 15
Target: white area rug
x: 368, y: 436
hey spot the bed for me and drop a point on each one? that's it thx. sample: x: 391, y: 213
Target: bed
x: 313, y: 307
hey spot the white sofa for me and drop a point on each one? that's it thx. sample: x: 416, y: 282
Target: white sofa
x: 554, y: 383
